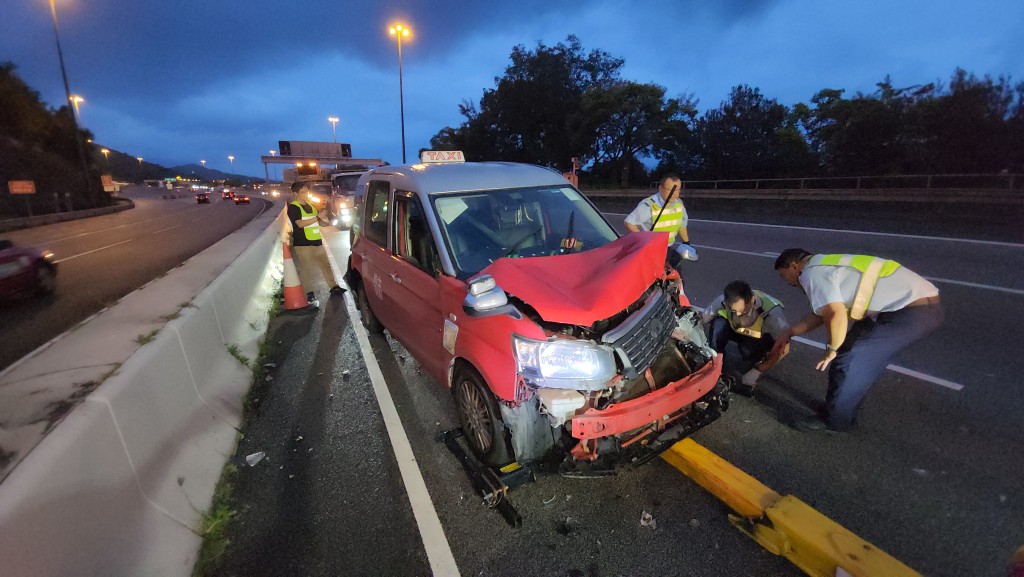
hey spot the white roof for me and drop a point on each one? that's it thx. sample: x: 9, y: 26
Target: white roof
x: 469, y: 176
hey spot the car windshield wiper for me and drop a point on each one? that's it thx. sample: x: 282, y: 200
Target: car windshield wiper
x: 568, y: 243
x: 515, y: 245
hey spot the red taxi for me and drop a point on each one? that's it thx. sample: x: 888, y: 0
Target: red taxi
x: 556, y: 336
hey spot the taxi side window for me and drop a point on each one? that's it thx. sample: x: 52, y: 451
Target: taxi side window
x: 376, y: 227
x: 413, y: 241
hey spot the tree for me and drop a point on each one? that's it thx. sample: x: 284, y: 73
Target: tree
x: 533, y: 113
x: 631, y: 120
x: 747, y: 136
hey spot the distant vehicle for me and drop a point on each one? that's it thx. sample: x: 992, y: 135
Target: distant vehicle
x: 26, y: 270
x: 225, y: 195
x: 241, y: 198
x: 203, y: 198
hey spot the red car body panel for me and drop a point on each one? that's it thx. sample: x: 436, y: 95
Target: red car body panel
x: 574, y: 288
x: 18, y: 266
x: 629, y: 415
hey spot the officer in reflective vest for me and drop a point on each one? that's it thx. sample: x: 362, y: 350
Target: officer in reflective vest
x: 753, y: 320
x: 666, y: 203
x: 307, y: 246
x: 872, y: 308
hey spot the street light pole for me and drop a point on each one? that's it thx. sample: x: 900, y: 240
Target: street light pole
x: 399, y: 31
x: 139, y: 158
x: 334, y: 126
x: 67, y: 94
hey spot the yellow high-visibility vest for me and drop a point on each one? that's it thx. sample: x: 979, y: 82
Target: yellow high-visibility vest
x: 312, y: 232
x: 871, y: 269
x: 671, y: 219
x: 768, y: 302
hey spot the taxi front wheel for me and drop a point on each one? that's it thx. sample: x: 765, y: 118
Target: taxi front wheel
x: 481, y: 420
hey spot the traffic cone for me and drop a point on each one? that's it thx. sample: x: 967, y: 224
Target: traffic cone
x: 1017, y: 564
x: 294, y: 294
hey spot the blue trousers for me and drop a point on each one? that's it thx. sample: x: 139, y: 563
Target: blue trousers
x: 869, y: 347
x: 752, y: 351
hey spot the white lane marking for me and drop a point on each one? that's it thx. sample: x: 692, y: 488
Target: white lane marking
x: 92, y: 251
x: 439, y: 552
x: 170, y: 227
x: 897, y: 369
x: 864, y: 232
x: 111, y: 228
x: 894, y: 368
x: 1012, y: 291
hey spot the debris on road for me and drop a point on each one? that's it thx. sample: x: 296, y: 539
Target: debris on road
x: 647, y: 520
x: 549, y: 501
x: 920, y: 472
x: 268, y: 378
x: 269, y: 365
x: 695, y: 523
x: 254, y: 459
x: 299, y: 438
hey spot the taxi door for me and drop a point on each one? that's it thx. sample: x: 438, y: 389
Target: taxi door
x: 374, y: 253
x: 415, y: 286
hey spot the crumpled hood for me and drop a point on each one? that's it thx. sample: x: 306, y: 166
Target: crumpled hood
x: 585, y: 287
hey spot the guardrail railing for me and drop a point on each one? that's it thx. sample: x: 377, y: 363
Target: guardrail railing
x: 1001, y: 181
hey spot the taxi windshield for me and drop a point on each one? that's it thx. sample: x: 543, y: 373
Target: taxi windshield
x: 481, y: 227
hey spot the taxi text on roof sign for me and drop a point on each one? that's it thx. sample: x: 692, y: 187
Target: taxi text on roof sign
x: 442, y: 156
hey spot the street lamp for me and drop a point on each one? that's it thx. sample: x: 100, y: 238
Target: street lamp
x: 106, y: 155
x: 203, y: 162
x: 139, y: 158
x: 67, y: 94
x: 231, y: 159
x: 76, y: 100
x: 398, y: 31
x: 334, y: 125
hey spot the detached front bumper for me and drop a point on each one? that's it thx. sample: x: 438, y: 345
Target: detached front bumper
x: 630, y: 415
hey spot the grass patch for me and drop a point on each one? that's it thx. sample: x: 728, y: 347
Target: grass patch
x: 146, y: 339
x: 235, y: 352
x: 215, y: 523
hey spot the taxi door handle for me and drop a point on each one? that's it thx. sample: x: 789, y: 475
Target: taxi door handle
x: 396, y: 278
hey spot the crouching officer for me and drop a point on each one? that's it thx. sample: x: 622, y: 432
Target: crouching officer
x: 754, y: 321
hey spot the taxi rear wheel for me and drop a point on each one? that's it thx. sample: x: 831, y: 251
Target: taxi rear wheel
x: 481, y: 420
x: 370, y: 320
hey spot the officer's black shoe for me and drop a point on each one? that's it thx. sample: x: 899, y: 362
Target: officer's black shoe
x: 807, y: 424
x: 337, y: 290
x: 741, y: 389
x: 310, y: 296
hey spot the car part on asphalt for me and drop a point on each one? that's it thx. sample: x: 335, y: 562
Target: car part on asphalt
x: 493, y: 485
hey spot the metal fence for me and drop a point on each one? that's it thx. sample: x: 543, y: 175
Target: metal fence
x: 1003, y: 181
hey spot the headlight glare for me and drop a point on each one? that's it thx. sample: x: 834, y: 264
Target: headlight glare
x: 565, y: 363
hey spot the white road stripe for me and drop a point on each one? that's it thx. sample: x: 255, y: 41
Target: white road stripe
x: 894, y: 368
x: 897, y: 369
x: 1012, y: 291
x: 839, y: 230
x: 92, y: 251
x: 439, y: 552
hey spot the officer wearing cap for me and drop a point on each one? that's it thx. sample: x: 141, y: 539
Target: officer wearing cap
x: 872, y: 308
x: 753, y: 320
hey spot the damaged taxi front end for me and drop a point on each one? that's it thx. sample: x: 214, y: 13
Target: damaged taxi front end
x: 623, y: 370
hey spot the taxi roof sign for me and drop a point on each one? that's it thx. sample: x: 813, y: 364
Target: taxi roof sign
x: 438, y: 156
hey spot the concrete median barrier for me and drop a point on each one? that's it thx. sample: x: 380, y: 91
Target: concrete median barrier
x: 151, y: 398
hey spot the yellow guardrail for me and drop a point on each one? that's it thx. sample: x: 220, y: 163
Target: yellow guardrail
x: 784, y: 525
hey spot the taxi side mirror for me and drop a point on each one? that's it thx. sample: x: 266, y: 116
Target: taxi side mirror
x: 485, y: 298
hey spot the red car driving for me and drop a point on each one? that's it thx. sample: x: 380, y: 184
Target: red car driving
x: 26, y: 271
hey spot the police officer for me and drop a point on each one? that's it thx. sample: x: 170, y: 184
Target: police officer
x: 872, y: 308
x: 673, y: 217
x: 753, y: 320
x: 306, y: 241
